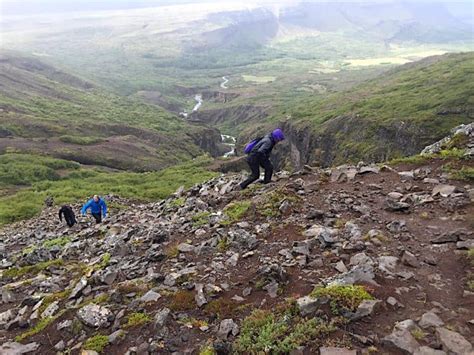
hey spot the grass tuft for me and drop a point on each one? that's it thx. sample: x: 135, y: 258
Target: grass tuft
x: 137, y: 319
x: 343, y: 297
x: 97, y: 343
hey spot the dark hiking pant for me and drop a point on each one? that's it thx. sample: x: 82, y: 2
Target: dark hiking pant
x: 255, y: 162
x: 98, y: 217
x: 70, y: 220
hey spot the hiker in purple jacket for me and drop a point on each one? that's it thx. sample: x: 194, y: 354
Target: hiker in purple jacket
x: 258, y: 156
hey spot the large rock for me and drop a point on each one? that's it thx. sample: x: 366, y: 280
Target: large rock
x: 365, y: 309
x: 453, y: 342
x: 12, y: 348
x: 443, y: 190
x: 401, y: 340
x: 161, y: 317
x: 94, y: 315
x: 227, y: 326
x: 150, y: 296
x: 430, y: 319
x: 76, y: 291
x: 307, y: 305
x: 425, y: 350
x: 336, y: 351
x: 358, y: 274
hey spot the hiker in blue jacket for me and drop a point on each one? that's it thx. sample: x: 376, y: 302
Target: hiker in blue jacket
x: 98, y: 208
x: 258, y: 156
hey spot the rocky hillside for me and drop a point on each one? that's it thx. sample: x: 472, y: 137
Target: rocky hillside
x: 366, y: 258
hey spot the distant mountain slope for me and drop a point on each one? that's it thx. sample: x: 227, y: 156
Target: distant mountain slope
x: 49, y: 111
x: 393, y: 115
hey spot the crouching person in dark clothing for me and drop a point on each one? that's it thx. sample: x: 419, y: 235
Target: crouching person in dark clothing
x: 68, y: 214
x: 98, y: 208
x: 259, y: 156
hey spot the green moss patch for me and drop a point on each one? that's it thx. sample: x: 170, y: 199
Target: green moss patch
x: 343, y: 297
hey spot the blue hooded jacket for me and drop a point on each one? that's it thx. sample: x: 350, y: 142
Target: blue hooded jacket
x: 96, y: 207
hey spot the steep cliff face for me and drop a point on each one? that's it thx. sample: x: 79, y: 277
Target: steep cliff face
x: 209, y: 140
x: 348, y: 139
x: 231, y: 116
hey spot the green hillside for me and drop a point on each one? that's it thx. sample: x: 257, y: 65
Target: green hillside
x: 47, y: 111
x: 26, y: 180
x: 395, y: 114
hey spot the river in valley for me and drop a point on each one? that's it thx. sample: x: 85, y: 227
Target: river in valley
x: 227, y: 140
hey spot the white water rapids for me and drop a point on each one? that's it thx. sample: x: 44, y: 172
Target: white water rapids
x: 226, y: 139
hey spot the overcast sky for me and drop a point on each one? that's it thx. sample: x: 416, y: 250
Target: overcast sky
x: 26, y: 7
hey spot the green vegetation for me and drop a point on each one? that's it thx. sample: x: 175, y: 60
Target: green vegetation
x: 470, y: 256
x: 58, y: 296
x: 413, y: 159
x: 466, y: 173
x: 172, y: 251
x: 453, y: 153
x: 278, y: 332
x: 25, y: 169
x: 31, y: 269
x: 200, y: 219
x: 407, y: 99
x: 418, y: 334
x: 269, y: 207
x: 59, y: 242
x: 207, y: 350
x: 181, y: 301
x: 97, y: 343
x: 40, y: 326
x: 105, y: 261
x: 343, y: 298
x: 235, y: 211
x: 137, y: 319
x: 222, y: 308
x: 80, y: 140
x: 223, y: 244
x: 178, y: 202
x: 82, y: 183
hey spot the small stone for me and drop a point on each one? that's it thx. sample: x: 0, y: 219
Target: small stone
x: 94, y: 315
x: 365, y: 309
x: 60, y: 346
x: 200, y: 298
x: 116, y: 337
x: 109, y: 277
x: 466, y: 244
x: 395, y: 196
x: 307, y: 305
x: 392, y: 301
x: 185, y: 248
x: 341, y: 267
x: 226, y: 327
x: 272, y: 289
x: 161, y: 317
x: 410, y: 259
x: 150, y: 296
x: 50, y: 310
x: 285, y: 208
x: 76, y: 292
